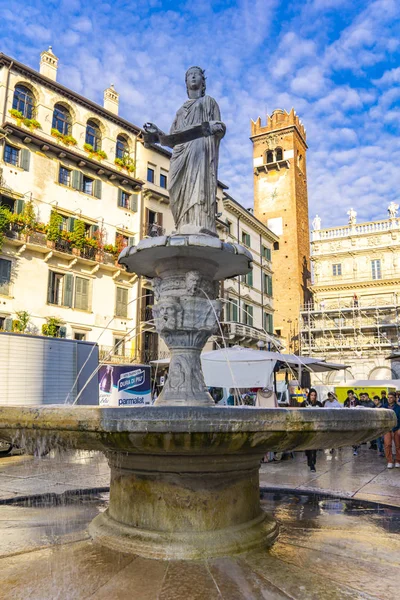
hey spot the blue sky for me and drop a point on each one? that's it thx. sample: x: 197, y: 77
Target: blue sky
x: 335, y: 61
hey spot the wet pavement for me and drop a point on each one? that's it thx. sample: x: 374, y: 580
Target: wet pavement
x: 363, y: 477
x: 327, y: 550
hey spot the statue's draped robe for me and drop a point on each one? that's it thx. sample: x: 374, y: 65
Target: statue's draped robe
x: 193, y: 168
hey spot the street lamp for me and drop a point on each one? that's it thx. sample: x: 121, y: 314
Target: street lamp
x: 260, y: 344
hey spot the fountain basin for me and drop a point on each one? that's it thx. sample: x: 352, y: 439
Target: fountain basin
x: 184, y: 480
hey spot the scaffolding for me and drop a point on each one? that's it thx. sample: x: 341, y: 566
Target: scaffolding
x: 359, y: 329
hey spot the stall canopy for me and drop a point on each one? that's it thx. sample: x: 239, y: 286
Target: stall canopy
x: 242, y: 367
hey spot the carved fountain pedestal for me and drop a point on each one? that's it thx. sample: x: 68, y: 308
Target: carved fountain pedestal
x: 186, y: 271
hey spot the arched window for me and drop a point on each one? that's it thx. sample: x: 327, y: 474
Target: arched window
x: 270, y: 156
x: 24, y: 102
x: 93, y: 135
x: 122, y: 147
x: 279, y: 154
x: 62, y: 119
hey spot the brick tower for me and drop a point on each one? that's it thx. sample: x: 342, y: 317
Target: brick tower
x: 280, y: 202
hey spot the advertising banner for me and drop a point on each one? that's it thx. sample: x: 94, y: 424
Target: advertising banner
x: 124, y: 385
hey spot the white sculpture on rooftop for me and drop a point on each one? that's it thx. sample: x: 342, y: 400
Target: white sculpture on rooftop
x: 392, y: 210
x: 352, y: 216
x: 316, y: 224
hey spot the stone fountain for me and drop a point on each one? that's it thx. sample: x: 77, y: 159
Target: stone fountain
x: 184, y: 473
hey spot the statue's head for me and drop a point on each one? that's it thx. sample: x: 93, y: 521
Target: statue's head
x: 195, y: 80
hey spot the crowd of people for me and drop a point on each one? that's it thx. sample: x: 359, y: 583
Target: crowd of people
x: 388, y: 445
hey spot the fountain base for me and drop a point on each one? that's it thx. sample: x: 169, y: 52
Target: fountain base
x: 184, y: 507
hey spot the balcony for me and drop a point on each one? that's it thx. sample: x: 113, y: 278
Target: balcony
x: 116, y: 355
x: 240, y: 333
x: 89, y: 253
x: 152, y: 230
x: 63, y: 246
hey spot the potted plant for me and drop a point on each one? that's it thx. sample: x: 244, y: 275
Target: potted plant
x: 5, y: 219
x: 51, y: 328
x: 126, y: 163
x: 30, y: 123
x: 67, y: 140
x: 53, y: 230
x: 78, y: 237
x: 99, y: 154
x: 20, y: 324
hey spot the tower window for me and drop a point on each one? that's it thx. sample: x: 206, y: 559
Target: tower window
x: 62, y: 119
x: 279, y: 154
x: 270, y: 156
x: 276, y: 245
x: 23, y: 101
x: 93, y: 135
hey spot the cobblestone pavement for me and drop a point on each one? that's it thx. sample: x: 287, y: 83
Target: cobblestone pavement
x: 363, y: 477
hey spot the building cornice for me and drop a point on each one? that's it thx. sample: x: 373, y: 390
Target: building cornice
x: 281, y: 130
x: 67, y: 93
x: 355, y: 285
x: 240, y: 211
x: 66, y: 152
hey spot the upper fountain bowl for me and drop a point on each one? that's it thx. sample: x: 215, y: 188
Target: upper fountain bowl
x: 230, y: 259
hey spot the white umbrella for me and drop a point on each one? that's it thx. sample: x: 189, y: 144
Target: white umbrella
x: 237, y: 367
x: 243, y: 367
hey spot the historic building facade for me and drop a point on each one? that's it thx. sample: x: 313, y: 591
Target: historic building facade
x: 354, y: 317
x: 281, y: 203
x: 80, y: 185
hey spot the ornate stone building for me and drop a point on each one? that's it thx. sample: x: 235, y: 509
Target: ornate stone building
x: 281, y: 203
x: 354, y: 317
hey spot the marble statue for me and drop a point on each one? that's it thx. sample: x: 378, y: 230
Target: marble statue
x: 352, y: 216
x: 392, y: 210
x: 195, y: 137
x: 316, y: 224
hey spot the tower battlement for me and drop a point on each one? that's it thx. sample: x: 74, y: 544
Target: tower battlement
x: 279, y: 119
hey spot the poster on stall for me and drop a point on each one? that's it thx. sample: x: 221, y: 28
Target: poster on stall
x: 124, y: 385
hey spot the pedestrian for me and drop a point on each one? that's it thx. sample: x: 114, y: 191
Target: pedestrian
x: 366, y: 401
x: 311, y: 402
x: 398, y: 396
x: 379, y: 441
x: 231, y: 398
x: 384, y: 398
x: 394, y: 435
x: 331, y: 401
x: 352, y: 402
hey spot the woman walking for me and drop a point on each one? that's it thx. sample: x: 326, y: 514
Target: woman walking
x: 394, y: 435
x: 311, y: 402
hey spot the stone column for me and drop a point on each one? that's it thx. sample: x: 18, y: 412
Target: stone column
x: 186, y: 314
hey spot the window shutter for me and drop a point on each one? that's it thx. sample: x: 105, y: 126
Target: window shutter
x: 8, y: 323
x: 93, y: 230
x: 25, y: 157
x: 50, y: 292
x: 70, y: 224
x: 19, y: 206
x: 81, y: 293
x: 269, y: 285
x: 68, y: 289
x: 121, y: 309
x: 77, y: 179
x: 160, y: 219
x: 5, y: 276
x: 250, y: 278
x: 97, y: 188
x: 134, y: 202
x: 62, y: 332
x: 131, y: 241
x: 250, y: 315
x: 119, y: 197
x: 234, y: 311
